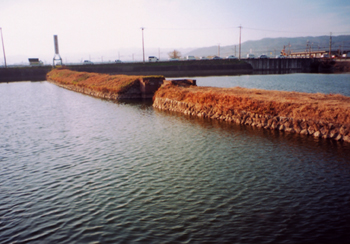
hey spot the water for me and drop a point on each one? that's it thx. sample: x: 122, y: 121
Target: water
x: 77, y: 169
x: 312, y: 83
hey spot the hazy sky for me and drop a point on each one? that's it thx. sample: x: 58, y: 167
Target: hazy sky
x: 92, y: 26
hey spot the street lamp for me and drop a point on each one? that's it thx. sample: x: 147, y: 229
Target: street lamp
x: 3, y: 47
x: 143, y: 45
x: 240, y: 30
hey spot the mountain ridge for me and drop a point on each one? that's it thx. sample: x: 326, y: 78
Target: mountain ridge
x: 273, y: 46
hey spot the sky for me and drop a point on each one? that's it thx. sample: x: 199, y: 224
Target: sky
x: 103, y: 30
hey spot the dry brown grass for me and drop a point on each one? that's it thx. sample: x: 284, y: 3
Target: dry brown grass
x: 94, y: 81
x: 320, y: 107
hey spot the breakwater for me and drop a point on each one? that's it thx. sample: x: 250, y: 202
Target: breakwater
x: 114, y: 87
x: 317, y: 115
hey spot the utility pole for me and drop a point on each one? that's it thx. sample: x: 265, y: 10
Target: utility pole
x: 143, y: 45
x: 219, y: 49
x: 289, y: 52
x: 240, y: 29
x: 3, y: 47
x: 330, y: 45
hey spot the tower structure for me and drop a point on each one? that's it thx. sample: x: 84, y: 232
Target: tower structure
x: 57, y: 60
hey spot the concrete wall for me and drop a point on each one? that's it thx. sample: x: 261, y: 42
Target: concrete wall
x: 171, y: 69
x: 282, y: 65
x: 183, y: 68
x: 24, y: 73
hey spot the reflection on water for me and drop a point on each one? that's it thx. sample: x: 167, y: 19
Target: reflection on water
x: 76, y: 169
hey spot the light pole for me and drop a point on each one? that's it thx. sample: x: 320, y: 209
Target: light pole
x: 240, y: 29
x: 330, y: 45
x: 143, y: 45
x: 3, y: 47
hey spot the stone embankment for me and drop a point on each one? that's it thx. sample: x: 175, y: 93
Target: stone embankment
x: 319, y: 128
x: 132, y: 93
x: 113, y: 87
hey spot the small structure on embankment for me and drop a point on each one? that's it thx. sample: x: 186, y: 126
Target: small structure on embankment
x: 318, y: 115
x: 113, y: 87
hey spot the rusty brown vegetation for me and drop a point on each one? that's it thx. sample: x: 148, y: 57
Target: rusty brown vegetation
x: 318, y: 107
x: 94, y: 81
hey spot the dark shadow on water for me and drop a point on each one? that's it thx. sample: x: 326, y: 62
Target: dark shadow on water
x: 338, y: 151
x: 143, y: 103
x: 333, y: 150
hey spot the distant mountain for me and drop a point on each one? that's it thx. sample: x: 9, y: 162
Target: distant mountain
x: 273, y: 46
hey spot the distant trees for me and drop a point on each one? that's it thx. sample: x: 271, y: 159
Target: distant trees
x: 174, y: 54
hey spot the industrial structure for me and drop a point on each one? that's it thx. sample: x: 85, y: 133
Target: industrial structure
x: 57, y: 60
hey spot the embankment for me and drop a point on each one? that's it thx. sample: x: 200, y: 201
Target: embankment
x: 113, y: 87
x: 318, y: 115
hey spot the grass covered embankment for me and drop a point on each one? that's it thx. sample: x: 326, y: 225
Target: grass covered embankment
x: 320, y: 115
x: 101, y: 85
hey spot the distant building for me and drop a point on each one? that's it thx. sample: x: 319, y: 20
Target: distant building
x: 35, y: 62
x: 311, y: 54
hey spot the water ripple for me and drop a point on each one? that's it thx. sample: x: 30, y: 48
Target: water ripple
x: 80, y: 169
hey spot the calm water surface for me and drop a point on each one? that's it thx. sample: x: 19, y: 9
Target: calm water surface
x: 77, y: 169
x: 313, y: 83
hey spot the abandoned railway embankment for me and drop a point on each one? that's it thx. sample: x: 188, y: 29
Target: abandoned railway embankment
x: 114, y: 87
x: 314, y: 114
x: 317, y: 115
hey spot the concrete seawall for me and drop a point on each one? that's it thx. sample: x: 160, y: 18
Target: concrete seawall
x: 24, y: 73
x: 167, y: 69
x: 183, y: 68
x: 317, y: 129
x: 172, y: 69
x: 188, y: 68
x: 282, y: 65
